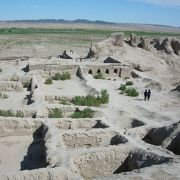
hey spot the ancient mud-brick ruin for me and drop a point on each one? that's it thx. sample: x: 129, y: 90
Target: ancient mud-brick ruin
x: 124, y: 139
x: 109, y: 70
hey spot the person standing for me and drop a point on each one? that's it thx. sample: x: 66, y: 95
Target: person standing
x: 145, y: 94
x: 149, y: 94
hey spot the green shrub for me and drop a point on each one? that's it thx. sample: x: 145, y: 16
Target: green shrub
x: 99, y: 76
x: 62, y: 77
x: 48, y: 81
x: 64, y: 102
x: 85, y: 101
x: 129, y: 91
x: 0, y: 70
x: 132, y: 92
x: 20, y: 114
x: 86, y: 113
x: 122, y: 87
x: 56, y: 77
x: 104, y: 97
x: 65, y: 76
x: 129, y: 83
x: 91, y: 100
x: 55, y: 113
x: 9, y: 113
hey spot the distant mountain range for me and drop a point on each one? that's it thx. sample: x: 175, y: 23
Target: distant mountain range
x: 98, y: 22
x: 83, y: 21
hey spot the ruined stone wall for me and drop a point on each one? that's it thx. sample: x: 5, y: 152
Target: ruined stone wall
x: 18, y: 127
x: 105, y: 70
x: 109, y: 70
x: 11, y: 86
x: 54, y: 68
x: 126, y: 72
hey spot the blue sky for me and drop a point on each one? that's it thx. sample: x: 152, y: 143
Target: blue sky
x: 166, y: 12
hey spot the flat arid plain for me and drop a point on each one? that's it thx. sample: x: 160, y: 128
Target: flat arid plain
x: 72, y: 102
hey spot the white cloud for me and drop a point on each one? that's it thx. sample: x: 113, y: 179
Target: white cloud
x: 161, y: 2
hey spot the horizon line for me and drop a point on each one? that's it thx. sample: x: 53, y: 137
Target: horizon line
x: 91, y: 21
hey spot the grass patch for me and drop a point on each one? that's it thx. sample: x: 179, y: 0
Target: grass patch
x: 122, y: 87
x: 54, y: 31
x: 129, y: 83
x: 86, y: 113
x: 132, y: 92
x: 3, y: 96
x: 129, y: 91
x: 91, y: 100
x: 48, y: 81
x: 55, y: 113
x: 62, y: 77
x: 64, y: 102
x: 20, y: 114
x: 104, y: 99
x: 78, y: 31
x: 9, y: 113
x: 99, y: 76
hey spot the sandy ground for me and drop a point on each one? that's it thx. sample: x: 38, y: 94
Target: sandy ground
x: 63, y: 88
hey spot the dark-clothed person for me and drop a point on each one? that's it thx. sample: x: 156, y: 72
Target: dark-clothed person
x: 149, y: 94
x: 145, y: 95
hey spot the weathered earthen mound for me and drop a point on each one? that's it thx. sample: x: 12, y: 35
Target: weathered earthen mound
x: 134, y: 40
x: 141, y: 42
x: 176, y: 46
x: 156, y: 42
x: 115, y: 40
x: 145, y: 44
x: 166, y: 46
x: 169, y: 45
